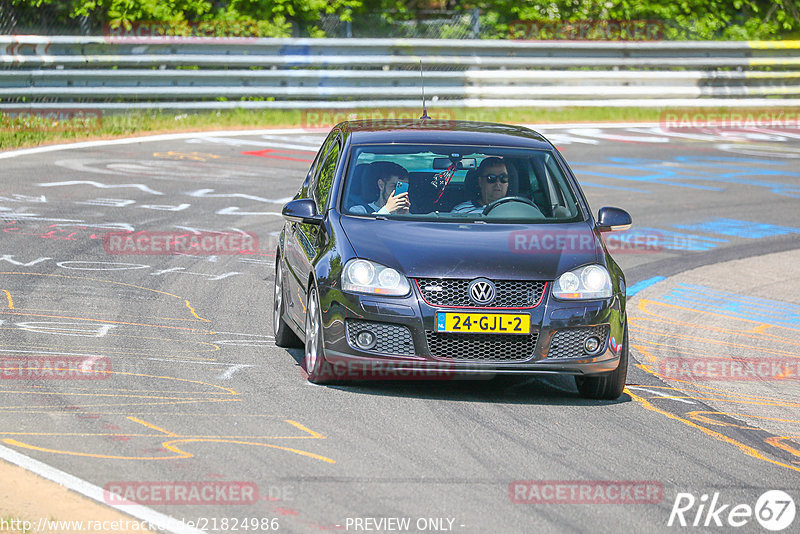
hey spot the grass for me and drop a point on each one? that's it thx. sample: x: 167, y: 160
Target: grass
x: 35, y: 130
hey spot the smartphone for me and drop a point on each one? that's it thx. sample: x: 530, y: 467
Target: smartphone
x: 400, y: 187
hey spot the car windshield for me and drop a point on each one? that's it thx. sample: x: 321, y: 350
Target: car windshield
x: 458, y: 183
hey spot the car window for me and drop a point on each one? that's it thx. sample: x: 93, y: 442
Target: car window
x: 558, y: 185
x: 322, y: 185
x: 454, y: 183
x: 308, y: 184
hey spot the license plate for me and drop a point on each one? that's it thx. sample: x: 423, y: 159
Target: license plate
x: 483, y: 323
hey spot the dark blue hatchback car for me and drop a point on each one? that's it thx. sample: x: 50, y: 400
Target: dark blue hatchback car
x: 431, y: 249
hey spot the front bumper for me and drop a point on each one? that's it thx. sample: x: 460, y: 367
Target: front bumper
x: 410, y: 355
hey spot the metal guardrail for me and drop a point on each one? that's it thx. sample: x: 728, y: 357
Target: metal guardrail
x: 182, y: 73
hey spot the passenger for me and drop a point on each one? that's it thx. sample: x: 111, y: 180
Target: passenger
x: 385, y: 175
x: 493, y: 182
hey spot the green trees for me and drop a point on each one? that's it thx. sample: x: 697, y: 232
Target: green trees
x: 676, y: 19
x: 680, y: 19
x: 265, y: 18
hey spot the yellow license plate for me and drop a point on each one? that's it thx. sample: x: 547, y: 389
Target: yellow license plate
x: 483, y: 323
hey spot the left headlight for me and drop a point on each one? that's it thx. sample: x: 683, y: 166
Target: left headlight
x: 590, y: 282
x: 364, y: 276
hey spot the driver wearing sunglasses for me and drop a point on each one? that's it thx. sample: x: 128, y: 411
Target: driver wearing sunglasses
x: 493, y: 182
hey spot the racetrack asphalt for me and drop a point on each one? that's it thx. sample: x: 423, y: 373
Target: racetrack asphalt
x: 198, y: 392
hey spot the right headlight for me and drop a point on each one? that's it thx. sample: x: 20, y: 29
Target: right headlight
x: 589, y: 282
x: 364, y: 276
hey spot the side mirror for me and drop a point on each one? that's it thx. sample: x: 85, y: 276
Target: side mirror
x: 302, y: 210
x: 613, y: 219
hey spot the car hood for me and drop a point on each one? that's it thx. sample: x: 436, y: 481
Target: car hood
x: 469, y: 250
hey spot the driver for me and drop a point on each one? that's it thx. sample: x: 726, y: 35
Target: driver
x: 493, y: 182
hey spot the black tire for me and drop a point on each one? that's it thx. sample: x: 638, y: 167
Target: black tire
x: 314, y: 362
x: 284, y: 336
x: 606, y: 386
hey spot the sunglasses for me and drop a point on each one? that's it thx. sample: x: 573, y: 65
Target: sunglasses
x: 492, y: 178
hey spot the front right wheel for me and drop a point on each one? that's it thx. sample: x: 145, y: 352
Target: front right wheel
x: 606, y: 386
x: 314, y: 358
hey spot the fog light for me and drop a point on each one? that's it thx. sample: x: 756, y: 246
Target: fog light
x: 591, y: 345
x: 365, y: 340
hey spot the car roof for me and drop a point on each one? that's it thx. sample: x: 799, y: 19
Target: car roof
x: 442, y: 132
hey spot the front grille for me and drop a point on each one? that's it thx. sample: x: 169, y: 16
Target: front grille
x: 390, y: 338
x: 568, y: 343
x: 453, y: 292
x: 481, y: 347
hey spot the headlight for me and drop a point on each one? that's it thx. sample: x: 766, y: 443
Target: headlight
x: 590, y: 282
x: 362, y: 276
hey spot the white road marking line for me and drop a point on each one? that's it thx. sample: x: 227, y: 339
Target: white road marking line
x: 313, y: 142
x: 614, y: 125
x: 260, y: 262
x: 267, y: 144
x: 189, y: 361
x: 100, y: 185
x: 234, y: 210
x: 598, y: 133
x: 209, y: 193
x: 49, y: 352
x: 7, y: 214
x: 96, y: 493
x: 661, y: 394
x: 240, y: 334
x: 559, y: 139
x: 232, y: 369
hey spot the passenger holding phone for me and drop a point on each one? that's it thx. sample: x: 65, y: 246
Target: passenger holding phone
x: 391, y: 182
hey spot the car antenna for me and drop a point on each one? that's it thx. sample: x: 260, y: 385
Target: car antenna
x: 424, y: 109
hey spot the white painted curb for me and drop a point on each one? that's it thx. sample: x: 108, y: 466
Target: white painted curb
x: 143, y: 513
x: 143, y: 139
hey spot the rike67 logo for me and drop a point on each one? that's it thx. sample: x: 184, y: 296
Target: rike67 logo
x: 774, y: 510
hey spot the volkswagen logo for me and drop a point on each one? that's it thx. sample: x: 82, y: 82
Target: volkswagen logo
x: 481, y: 291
